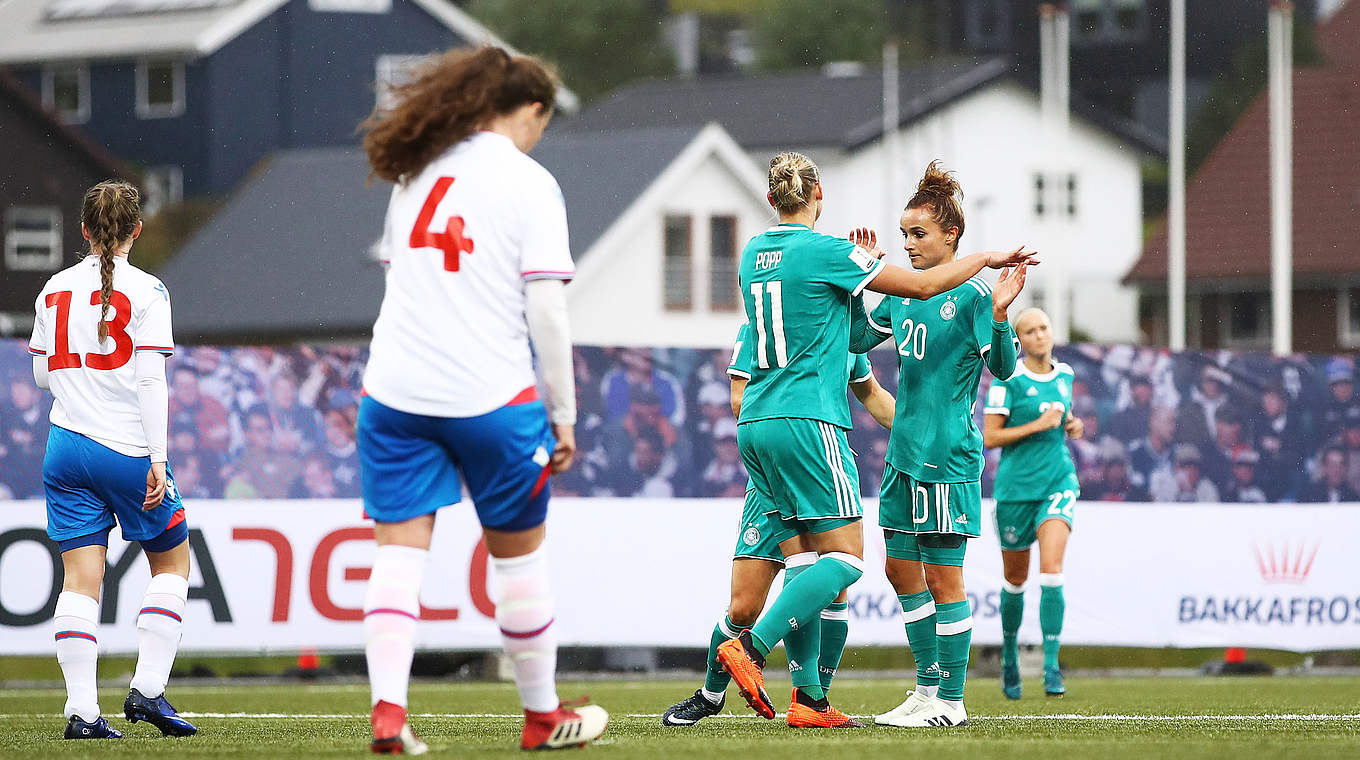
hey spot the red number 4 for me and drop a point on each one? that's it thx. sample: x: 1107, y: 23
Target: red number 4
x: 451, y: 241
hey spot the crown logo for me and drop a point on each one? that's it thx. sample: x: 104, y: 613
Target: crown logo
x: 1284, y: 563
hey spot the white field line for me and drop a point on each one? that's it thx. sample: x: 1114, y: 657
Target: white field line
x: 1274, y: 717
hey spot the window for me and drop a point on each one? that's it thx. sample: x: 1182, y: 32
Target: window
x: 32, y: 239
x: 1055, y: 194
x: 66, y: 91
x: 1039, y: 207
x: 1071, y: 195
x: 162, y: 186
x: 1348, y: 317
x: 722, y: 291
x: 1247, y: 323
x: 676, y: 269
x: 393, y: 71
x: 987, y: 25
x: 1102, y: 21
x: 350, y: 6
x: 160, y: 89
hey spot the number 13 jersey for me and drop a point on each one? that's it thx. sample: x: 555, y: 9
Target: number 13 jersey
x: 94, y: 382
x: 461, y: 239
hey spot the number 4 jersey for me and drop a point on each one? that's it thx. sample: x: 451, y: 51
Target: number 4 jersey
x: 797, y: 285
x: 461, y: 239
x: 1037, y: 465
x: 95, y: 382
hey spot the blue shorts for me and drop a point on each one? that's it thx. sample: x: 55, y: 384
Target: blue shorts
x: 90, y: 488
x: 411, y: 465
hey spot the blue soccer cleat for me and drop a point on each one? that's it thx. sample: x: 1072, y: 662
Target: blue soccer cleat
x: 1053, y: 682
x: 1010, y: 680
x: 99, y: 729
x: 158, y: 712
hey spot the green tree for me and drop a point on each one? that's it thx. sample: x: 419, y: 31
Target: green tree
x: 595, y: 44
x: 791, y: 34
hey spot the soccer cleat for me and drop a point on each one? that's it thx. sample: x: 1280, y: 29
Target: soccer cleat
x: 1010, y: 680
x: 741, y: 661
x: 691, y: 710
x: 806, y: 712
x: 1053, y: 682
x: 563, y: 728
x: 158, y: 712
x: 898, y: 715
x: 99, y: 729
x: 391, y: 734
x: 938, y: 714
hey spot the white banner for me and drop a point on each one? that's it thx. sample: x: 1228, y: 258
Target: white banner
x: 286, y: 574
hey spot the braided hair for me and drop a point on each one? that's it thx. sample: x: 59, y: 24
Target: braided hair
x: 110, y: 214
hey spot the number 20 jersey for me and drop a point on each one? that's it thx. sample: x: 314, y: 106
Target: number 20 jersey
x: 462, y: 238
x: 95, y: 382
x: 797, y: 286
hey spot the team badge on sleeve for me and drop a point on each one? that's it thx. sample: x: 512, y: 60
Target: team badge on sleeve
x: 751, y: 536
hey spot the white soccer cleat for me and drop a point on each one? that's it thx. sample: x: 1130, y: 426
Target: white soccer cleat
x: 938, y: 714
x: 898, y: 715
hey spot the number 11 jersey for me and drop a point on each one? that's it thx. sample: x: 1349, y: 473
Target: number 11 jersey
x: 797, y: 285
x: 461, y: 239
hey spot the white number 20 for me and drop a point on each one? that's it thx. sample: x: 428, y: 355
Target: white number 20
x: 914, y: 342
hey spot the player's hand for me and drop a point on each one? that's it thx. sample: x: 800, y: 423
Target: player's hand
x: 565, y: 450
x: 1007, y: 287
x: 1074, y: 427
x: 155, y: 486
x: 868, y: 240
x: 1050, y: 419
x: 1001, y: 259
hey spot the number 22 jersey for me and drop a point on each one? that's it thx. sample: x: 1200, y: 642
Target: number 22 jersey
x: 462, y: 238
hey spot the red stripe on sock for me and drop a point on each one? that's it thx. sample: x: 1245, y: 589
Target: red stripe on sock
x: 528, y: 634
x: 160, y: 611
x: 389, y: 611
x: 74, y: 635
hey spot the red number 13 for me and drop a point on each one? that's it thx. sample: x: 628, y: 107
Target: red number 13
x: 62, y: 358
x: 451, y: 241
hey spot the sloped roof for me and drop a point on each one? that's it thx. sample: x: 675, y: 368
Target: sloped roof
x: 290, y: 253
x: 20, y: 101
x: 812, y: 107
x: 1228, y: 199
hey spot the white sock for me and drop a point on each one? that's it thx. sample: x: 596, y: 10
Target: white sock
x: 75, y: 620
x: 391, y: 608
x: 714, y: 697
x: 159, y: 625
x: 957, y: 704
x: 524, y: 611
x: 928, y: 691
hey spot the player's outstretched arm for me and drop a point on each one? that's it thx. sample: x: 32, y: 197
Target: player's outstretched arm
x: 906, y: 283
x: 877, y: 400
x: 1001, y: 357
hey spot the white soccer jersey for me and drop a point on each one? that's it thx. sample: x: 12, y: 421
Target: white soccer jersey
x: 462, y: 238
x: 94, y: 382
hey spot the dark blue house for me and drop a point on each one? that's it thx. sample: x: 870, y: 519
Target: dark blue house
x: 194, y: 92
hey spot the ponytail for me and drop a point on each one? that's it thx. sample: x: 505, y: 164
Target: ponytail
x: 939, y: 191
x: 110, y: 214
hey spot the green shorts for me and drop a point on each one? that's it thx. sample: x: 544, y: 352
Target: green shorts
x: 802, y: 469
x: 761, y: 533
x: 1017, y: 522
x: 906, y: 505
x: 930, y: 548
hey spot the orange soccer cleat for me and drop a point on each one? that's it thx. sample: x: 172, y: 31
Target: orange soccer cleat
x: 806, y: 712
x: 741, y: 661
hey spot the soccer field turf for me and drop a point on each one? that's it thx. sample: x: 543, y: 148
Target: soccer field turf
x: 1144, y: 717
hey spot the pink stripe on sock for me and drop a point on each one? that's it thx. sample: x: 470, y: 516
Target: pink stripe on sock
x: 389, y: 611
x: 160, y: 611
x: 74, y: 635
x: 528, y: 634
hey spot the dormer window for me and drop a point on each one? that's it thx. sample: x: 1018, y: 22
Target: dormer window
x: 160, y: 89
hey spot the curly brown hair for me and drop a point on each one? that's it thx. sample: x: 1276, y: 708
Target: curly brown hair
x: 447, y: 100
x: 110, y: 214
x: 939, y: 191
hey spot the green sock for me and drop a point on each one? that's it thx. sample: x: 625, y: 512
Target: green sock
x: 835, y: 629
x: 804, y: 598
x: 954, y: 632
x: 918, y: 612
x: 803, y: 643
x: 1012, y: 612
x: 1051, y: 608
x: 717, y: 679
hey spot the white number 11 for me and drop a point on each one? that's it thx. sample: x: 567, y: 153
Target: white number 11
x: 781, y: 349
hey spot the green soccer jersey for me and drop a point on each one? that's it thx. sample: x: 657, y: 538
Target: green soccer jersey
x: 1038, y: 465
x: 797, y: 286
x: 858, y: 366
x: 942, y: 345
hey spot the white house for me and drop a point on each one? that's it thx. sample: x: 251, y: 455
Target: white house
x: 972, y: 114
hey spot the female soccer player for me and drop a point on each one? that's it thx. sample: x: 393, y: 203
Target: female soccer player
x: 798, y: 286
x: 476, y: 234
x: 1027, y: 415
x: 931, y: 499
x: 758, y: 559
x: 100, y: 339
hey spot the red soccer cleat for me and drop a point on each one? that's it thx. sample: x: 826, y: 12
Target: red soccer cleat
x: 391, y: 735
x: 563, y: 728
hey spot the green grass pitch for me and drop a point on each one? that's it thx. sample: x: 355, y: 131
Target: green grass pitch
x: 1242, y: 718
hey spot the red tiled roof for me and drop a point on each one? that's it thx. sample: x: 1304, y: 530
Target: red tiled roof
x: 1228, y: 199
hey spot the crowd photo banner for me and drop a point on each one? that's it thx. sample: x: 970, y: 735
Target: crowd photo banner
x: 281, y: 575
